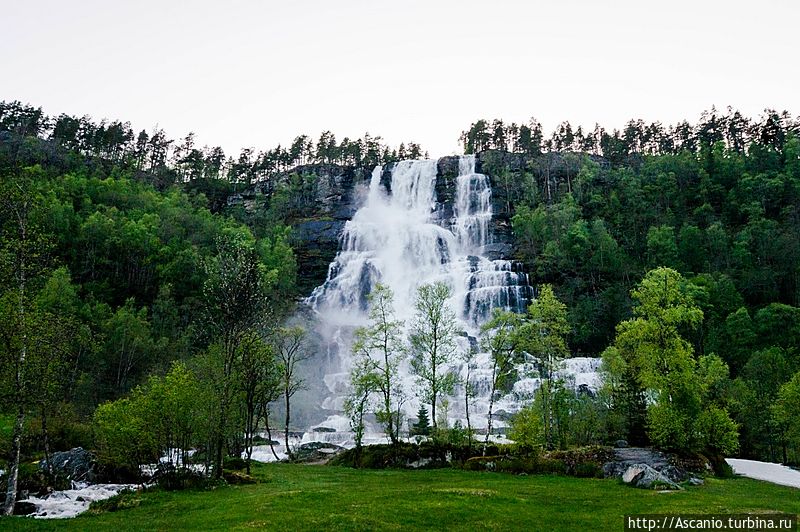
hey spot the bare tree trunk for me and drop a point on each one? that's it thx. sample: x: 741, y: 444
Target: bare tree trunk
x: 13, y: 473
x: 466, y: 409
x: 286, y: 426
x: 46, y: 443
x: 269, y: 435
x: 491, y: 410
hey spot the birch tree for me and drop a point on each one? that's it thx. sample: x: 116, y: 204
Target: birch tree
x: 433, y: 343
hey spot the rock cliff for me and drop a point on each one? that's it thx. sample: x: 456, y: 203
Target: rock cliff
x: 325, y: 196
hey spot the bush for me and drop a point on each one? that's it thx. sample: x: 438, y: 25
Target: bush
x: 588, y: 470
x: 426, y: 455
x: 516, y: 464
x: 234, y: 463
x: 721, y: 468
x: 584, y: 462
x: 171, y: 478
x: 123, y: 501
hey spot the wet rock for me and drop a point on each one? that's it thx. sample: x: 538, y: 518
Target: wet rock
x: 76, y: 464
x: 317, y: 451
x: 498, y: 250
x: 696, y: 481
x: 24, y: 508
x: 621, y: 444
x: 315, y: 243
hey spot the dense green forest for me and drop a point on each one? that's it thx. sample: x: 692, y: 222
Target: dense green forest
x: 126, y: 283
x: 718, y: 201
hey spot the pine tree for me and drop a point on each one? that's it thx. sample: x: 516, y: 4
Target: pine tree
x: 422, y: 427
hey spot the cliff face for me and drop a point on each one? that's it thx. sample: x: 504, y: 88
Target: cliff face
x: 331, y: 194
x: 335, y: 194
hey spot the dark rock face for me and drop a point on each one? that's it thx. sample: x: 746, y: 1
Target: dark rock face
x: 332, y: 194
x: 76, y: 464
x: 315, y: 244
x: 446, y: 175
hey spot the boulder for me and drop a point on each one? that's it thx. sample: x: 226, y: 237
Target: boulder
x: 76, y: 464
x: 645, y: 477
x: 317, y: 451
x: 24, y: 508
x: 627, y: 457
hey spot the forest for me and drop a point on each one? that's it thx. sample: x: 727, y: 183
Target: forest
x: 139, y: 313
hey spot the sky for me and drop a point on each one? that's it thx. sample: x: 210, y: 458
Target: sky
x: 258, y: 73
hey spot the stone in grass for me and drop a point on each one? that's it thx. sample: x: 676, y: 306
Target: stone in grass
x: 644, y: 476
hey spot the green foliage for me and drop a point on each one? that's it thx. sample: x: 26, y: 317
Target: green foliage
x: 500, y: 337
x: 422, y: 427
x: 527, y: 427
x: 161, y: 416
x: 651, y: 358
x: 542, y: 336
x: 380, y: 350
x: 784, y: 413
x: 433, y: 345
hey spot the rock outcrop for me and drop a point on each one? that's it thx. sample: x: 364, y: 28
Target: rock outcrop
x: 644, y: 476
x: 328, y: 195
x: 76, y: 464
x: 647, y: 468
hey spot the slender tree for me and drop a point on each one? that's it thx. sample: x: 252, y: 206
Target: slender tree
x: 500, y: 339
x: 259, y: 378
x: 290, y: 347
x: 543, y: 337
x: 433, y: 344
x: 364, y: 382
x: 236, y: 306
x: 380, y: 345
x: 21, y: 251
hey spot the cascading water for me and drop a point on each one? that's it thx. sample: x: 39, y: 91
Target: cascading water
x: 396, y: 239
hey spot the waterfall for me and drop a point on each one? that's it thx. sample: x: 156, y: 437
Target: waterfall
x: 396, y: 239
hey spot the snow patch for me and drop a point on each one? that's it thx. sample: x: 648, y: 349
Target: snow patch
x: 775, y: 473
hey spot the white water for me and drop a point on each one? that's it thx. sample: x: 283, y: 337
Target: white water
x: 400, y: 240
x: 71, y: 502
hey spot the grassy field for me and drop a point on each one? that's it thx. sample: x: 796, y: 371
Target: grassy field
x: 302, y: 497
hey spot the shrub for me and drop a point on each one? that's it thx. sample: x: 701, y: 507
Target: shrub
x: 122, y: 501
x: 234, y: 463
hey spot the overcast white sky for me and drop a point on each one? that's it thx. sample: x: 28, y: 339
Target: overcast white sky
x: 249, y: 73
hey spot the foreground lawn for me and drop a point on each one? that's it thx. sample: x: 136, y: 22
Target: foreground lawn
x: 303, y: 497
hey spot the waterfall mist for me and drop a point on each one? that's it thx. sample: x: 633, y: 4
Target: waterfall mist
x: 403, y: 237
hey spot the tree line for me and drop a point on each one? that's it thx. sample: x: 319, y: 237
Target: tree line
x: 181, y: 160
x: 730, y: 127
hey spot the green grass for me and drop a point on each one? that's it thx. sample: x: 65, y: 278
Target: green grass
x: 299, y: 497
